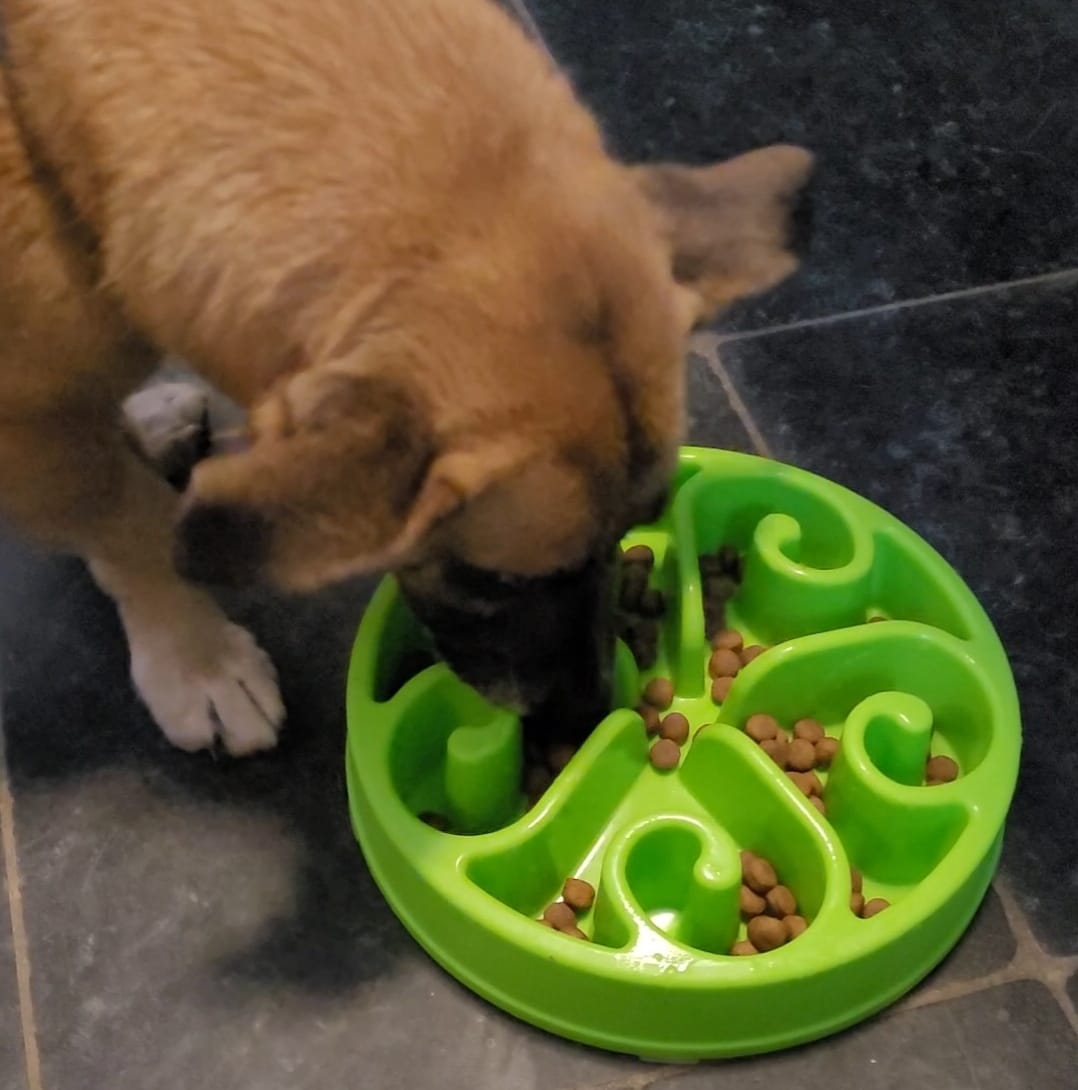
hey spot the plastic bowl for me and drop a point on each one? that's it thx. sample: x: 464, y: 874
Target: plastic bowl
x: 662, y: 849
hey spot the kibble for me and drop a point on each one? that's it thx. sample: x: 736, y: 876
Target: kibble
x: 723, y: 663
x: 874, y: 907
x: 803, y: 781
x: 781, y: 902
x: 795, y: 926
x: 576, y: 933
x: 634, y: 582
x: 818, y: 804
x: 808, y: 730
x: 560, y: 916
x: 750, y: 903
x: 652, y: 718
x: 720, y: 688
x: 578, y: 894
x: 766, y: 933
x: 751, y: 654
x: 665, y: 755
x: 652, y: 603
x: 761, y: 727
x: 857, y: 881
x: 777, y: 749
x: 826, y: 751
x: 727, y: 639
x: 857, y: 903
x: 659, y: 693
x: 941, y: 770
x: 758, y: 874
x: 720, y: 588
x: 743, y: 949
x: 675, y: 728
x: 801, y: 756
x: 639, y: 554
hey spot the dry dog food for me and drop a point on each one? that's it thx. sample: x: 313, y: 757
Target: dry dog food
x: 808, y: 730
x: 652, y: 718
x: 665, y: 755
x: 720, y: 688
x: 675, y: 728
x: 874, y: 907
x: 639, y: 606
x: 768, y: 907
x: 940, y: 770
x: 761, y: 727
x: 858, y: 905
x: 826, y: 751
x: 727, y: 639
x: 818, y: 804
x: 751, y: 654
x: 723, y: 663
x: 578, y: 894
x: 659, y: 693
x: 801, y: 756
x: 720, y: 576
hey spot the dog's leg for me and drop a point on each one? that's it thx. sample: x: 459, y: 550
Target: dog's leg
x: 169, y: 425
x: 72, y: 478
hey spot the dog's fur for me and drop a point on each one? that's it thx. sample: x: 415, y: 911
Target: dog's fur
x: 392, y: 232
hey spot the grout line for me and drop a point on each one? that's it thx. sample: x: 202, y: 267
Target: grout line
x: 642, y: 1080
x: 711, y: 356
x: 527, y: 20
x: 1066, y: 276
x: 21, y: 947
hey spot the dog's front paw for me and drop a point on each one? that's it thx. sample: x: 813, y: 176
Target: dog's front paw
x: 203, y: 679
x: 169, y: 424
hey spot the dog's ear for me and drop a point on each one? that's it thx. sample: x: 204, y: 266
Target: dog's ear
x: 342, y: 475
x: 731, y: 227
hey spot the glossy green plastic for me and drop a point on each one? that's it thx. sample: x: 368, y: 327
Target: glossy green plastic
x: 662, y: 848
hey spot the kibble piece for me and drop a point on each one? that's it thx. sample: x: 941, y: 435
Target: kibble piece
x: 720, y: 688
x: 665, y: 755
x: 809, y: 730
x: 675, y: 728
x: 857, y: 881
x: 659, y: 693
x: 857, y: 903
x: 723, y: 663
x: 803, y: 782
x: 720, y: 588
x: 634, y: 581
x: 801, y: 756
x: 435, y: 821
x: 578, y: 894
x: 874, y: 907
x: 826, y: 751
x: 575, y: 933
x: 818, y: 804
x: 652, y: 719
x: 815, y: 785
x: 559, y: 756
x: 781, y: 902
x: 639, y: 554
x: 750, y: 903
x: 777, y: 749
x: 652, y: 603
x: 758, y: 875
x: 730, y: 559
x: 743, y: 949
x: 727, y: 639
x: 941, y: 769
x: 751, y: 654
x: 795, y: 926
x: 766, y: 933
x: 560, y: 916
x: 760, y: 727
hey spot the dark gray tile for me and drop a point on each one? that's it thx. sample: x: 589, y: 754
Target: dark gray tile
x: 712, y: 421
x: 987, y: 945
x: 962, y: 419
x: 12, y: 1070
x: 201, y: 922
x: 945, y: 138
x: 1008, y: 1038
x: 1072, y: 991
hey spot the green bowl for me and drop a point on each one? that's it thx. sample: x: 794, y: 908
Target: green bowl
x: 662, y: 849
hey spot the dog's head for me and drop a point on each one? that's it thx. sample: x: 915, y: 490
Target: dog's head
x: 496, y: 428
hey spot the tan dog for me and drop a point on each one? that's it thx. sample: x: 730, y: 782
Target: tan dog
x: 390, y: 230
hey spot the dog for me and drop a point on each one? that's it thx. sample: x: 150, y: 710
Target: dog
x: 395, y: 235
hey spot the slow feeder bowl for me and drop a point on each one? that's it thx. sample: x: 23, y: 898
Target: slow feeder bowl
x: 662, y: 849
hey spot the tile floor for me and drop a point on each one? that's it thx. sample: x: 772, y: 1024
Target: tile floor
x: 176, y: 922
